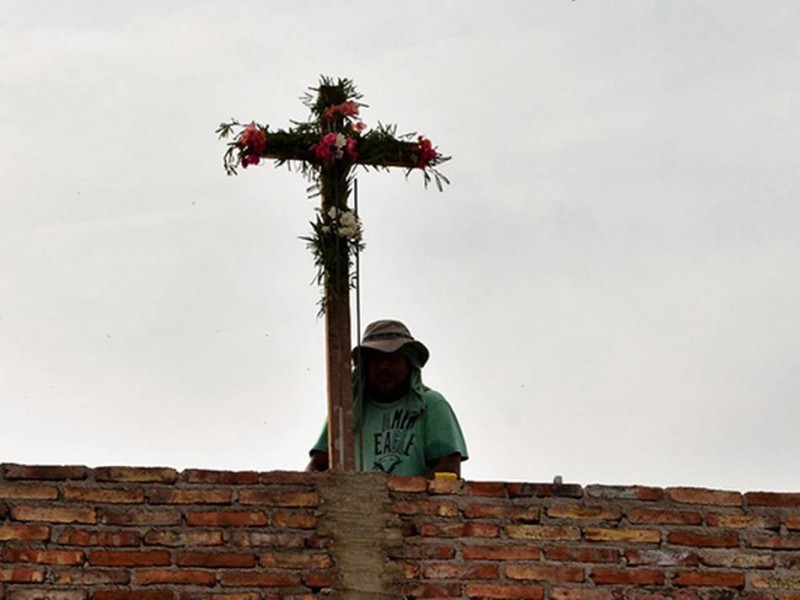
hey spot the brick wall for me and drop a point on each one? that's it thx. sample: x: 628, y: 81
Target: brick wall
x: 118, y: 533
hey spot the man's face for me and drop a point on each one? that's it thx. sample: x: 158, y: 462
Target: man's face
x: 387, y: 375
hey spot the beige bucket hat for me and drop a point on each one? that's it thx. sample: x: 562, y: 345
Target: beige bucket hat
x: 389, y: 336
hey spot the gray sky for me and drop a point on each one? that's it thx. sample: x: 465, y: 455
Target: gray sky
x: 609, y: 287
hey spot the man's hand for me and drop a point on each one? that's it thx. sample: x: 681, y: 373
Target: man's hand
x: 446, y: 464
x: 318, y: 462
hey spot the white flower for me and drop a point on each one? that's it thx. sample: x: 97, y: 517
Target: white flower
x: 333, y: 212
x: 340, y: 142
x: 348, y: 219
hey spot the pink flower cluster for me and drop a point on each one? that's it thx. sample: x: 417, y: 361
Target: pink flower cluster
x: 349, y: 110
x: 425, y: 152
x: 334, y: 146
x: 346, y: 109
x: 253, y: 142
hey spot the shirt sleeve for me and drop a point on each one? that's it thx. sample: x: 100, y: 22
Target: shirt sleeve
x: 443, y: 435
x: 322, y: 441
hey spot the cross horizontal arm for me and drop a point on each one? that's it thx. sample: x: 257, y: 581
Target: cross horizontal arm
x: 372, y: 151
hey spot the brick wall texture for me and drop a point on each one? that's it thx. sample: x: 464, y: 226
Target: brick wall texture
x: 123, y: 533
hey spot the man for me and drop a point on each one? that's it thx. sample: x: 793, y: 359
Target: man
x: 402, y: 427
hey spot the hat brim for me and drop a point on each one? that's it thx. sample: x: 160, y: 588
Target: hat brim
x: 393, y: 345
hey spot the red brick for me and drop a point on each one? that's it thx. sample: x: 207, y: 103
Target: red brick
x: 267, y: 539
x: 662, y: 557
x: 522, y: 552
x: 446, y: 530
x: 22, y: 491
x: 129, y: 558
x: 135, y: 517
x: 460, y: 571
x: 213, y: 560
x: 730, y: 521
x: 319, y: 579
x: 594, y: 513
x: 708, y: 579
x: 545, y: 573
x: 178, y: 538
x: 567, y: 554
x: 774, y: 542
x: 582, y: 594
x: 227, y: 518
x: 776, y: 581
x: 611, y: 576
x: 231, y: 596
x: 736, y: 559
x: 287, y: 478
x: 544, y: 490
x: 492, y: 489
x: 665, y: 594
x: 296, y: 560
x: 432, y: 590
x: 192, y: 496
x: 280, y: 497
x: 481, y: 530
x: 103, y: 496
x: 259, y: 579
x: 619, y: 492
x: 132, y: 595
x: 524, y: 514
x: 792, y: 522
x: 726, y: 539
x: 294, y: 520
x: 425, y: 507
x: 491, y: 591
x: 635, y: 536
x: 44, y: 472
x: 688, y: 495
x: 136, y: 474
x: 173, y: 576
x: 202, y: 476
x: 664, y: 517
x: 407, y: 484
x: 42, y: 557
x: 781, y: 500
x: 86, y: 537
x: 85, y: 576
x: 543, y: 532
x: 444, y: 486
x: 24, y: 533
x: 427, y: 552
x: 48, y: 594
x: 21, y: 575
x: 54, y: 514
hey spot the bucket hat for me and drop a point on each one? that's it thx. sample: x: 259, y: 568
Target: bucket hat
x: 389, y: 336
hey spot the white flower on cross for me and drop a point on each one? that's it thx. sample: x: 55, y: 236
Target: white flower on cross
x: 347, y: 223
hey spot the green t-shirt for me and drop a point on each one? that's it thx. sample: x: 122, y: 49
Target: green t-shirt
x: 401, y: 438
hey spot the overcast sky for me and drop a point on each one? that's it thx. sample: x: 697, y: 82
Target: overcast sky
x: 609, y: 288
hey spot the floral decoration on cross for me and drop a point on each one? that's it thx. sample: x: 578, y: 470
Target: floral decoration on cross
x: 326, y: 148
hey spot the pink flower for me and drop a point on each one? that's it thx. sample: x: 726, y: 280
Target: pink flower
x: 349, y: 109
x: 350, y: 148
x: 334, y: 146
x: 346, y: 109
x: 254, y: 139
x: 250, y: 159
x: 425, y: 152
x: 358, y: 126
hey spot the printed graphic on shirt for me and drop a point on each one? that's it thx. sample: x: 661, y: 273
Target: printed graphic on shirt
x: 395, y: 440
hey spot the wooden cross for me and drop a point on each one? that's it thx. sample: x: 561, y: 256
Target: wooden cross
x: 327, y: 149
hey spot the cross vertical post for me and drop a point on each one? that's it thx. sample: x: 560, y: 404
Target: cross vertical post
x: 334, y: 189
